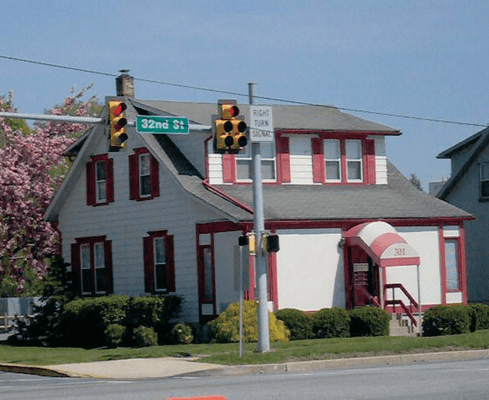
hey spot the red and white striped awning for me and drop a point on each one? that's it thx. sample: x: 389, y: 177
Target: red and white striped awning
x: 381, y: 241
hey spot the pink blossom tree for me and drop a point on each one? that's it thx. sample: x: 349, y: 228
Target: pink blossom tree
x: 32, y: 167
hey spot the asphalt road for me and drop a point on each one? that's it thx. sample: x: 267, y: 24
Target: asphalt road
x: 440, y: 380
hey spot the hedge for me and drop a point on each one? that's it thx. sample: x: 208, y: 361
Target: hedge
x: 446, y: 320
x: 298, y: 323
x: 331, y: 322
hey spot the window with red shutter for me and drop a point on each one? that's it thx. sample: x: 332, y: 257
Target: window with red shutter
x: 144, y: 179
x: 91, y: 260
x: 100, y: 180
x: 159, y: 267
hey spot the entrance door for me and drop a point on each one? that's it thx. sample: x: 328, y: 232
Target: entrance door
x: 365, y: 279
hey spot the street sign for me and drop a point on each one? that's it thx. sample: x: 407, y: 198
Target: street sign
x: 159, y: 124
x: 261, y: 124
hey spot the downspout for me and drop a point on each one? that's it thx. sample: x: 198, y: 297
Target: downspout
x: 217, y: 191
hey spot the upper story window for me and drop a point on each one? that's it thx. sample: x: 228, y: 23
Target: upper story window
x: 484, y: 181
x: 332, y: 158
x: 91, y: 260
x: 100, y: 180
x: 354, y: 161
x: 344, y: 161
x: 244, y: 163
x: 143, y: 175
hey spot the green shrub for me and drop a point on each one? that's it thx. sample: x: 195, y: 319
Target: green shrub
x: 182, y: 333
x: 85, y: 320
x: 297, y: 322
x: 155, y: 312
x: 144, y: 336
x: 369, y: 321
x: 114, y: 335
x: 225, y: 328
x: 446, y: 320
x: 331, y: 322
x: 479, y: 314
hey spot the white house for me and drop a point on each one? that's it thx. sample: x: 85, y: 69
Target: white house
x: 164, y: 213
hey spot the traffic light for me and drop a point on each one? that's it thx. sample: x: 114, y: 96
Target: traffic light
x: 229, y: 127
x: 118, y: 122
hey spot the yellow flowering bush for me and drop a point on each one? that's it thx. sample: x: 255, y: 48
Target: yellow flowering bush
x: 225, y: 328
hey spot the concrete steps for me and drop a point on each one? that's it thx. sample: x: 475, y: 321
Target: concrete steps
x: 401, y: 325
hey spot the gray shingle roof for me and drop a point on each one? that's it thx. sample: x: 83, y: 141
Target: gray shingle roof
x: 398, y: 199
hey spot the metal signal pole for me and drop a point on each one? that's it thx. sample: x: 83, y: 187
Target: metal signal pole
x: 260, y: 259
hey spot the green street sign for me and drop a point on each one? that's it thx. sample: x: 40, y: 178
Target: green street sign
x: 158, y: 124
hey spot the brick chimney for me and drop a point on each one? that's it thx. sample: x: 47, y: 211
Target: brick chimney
x: 124, y: 84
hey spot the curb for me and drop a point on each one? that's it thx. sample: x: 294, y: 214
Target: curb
x: 304, y: 366
x: 295, y: 366
x: 34, y: 370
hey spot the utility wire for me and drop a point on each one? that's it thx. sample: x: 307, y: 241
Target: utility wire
x: 277, y: 99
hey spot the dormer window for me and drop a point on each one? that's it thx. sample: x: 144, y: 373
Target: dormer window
x: 344, y: 160
x: 354, y: 161
x: 332, y: 158
x: 244, y: 163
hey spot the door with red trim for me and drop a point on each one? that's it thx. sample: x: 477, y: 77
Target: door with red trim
x: 365, y: 279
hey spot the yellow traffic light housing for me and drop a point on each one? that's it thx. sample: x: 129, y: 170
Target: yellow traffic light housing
x: 229, y: 128
x: 117, y: 122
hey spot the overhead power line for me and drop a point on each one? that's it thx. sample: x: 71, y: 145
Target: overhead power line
x: 277, y: 99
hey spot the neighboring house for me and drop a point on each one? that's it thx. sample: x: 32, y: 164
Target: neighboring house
x: 164, y: 214
x: 468, y: 188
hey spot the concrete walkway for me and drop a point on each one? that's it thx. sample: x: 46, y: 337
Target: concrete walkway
x: 167, y: 367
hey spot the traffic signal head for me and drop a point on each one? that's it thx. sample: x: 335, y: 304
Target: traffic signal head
x: 117, y: 122
x: 229, y: 129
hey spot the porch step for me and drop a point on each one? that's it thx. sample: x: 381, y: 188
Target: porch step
x: 401, y: 325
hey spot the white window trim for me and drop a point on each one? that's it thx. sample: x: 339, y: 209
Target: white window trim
x: 358, y: 160
x: 332, y: 160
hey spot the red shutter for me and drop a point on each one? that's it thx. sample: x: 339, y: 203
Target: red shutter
x: 370, y: 175
x: 75, y: 267
x: 108, y: 266
x: 149, y: 269
x: 133, y: 177
x: 228, y: 162
x: 283, y: 152
x: 318, y: 161
x: 170, y: 264
x: 91, y: 183
x: 110, y: 180
x: 155, y: 177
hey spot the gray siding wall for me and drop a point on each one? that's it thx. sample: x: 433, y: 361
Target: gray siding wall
x: 466, y: 196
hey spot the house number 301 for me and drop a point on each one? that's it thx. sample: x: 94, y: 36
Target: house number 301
x: 399, y: 251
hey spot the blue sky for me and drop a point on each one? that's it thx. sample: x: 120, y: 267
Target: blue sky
x: 424, y: 59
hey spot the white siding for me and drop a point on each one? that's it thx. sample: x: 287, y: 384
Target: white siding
x: 380, y: 160
x: 125, y: 222
x: 310, y: 269
x: 425, y: 241
x: 301, y: 166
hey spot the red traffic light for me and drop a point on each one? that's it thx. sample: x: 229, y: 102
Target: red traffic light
x: 121, y: 107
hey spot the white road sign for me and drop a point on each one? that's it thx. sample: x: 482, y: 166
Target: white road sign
x: 261, y: 124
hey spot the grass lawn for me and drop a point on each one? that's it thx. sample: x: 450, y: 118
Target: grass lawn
x: 317, y: 349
